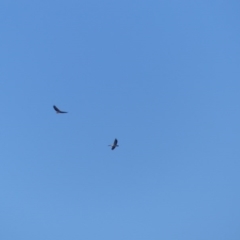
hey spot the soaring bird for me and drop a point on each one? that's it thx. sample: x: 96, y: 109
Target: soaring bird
x: 114, y: 144
x: 58, y: 110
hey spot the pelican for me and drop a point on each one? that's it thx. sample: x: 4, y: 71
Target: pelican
x: 114, y: 144
x: 58, y: 110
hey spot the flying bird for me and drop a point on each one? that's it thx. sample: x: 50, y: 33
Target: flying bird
x: 114, y: 144
x: 58, y: 110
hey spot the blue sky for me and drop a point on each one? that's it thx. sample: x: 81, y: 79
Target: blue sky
x: 162, y: 77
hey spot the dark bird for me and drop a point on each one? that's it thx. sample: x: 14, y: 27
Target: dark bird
x: 114, y: 144
x: 58, y: 110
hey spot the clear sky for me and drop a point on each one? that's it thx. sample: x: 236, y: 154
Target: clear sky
x: 161, y: 76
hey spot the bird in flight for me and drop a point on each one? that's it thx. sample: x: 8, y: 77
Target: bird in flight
x: 114, y: 144
x: 58, y: 110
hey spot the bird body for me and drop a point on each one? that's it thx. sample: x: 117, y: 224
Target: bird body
x: 114, y: 145
x: 58, y: 110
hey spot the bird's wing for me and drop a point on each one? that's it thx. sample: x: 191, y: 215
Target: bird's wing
x: 113, y: 147
x: 56, y: 109
x: 115, y: 142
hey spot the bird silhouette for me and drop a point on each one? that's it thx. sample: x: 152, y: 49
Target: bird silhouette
x: 114, y: 145
x: 58, y: 110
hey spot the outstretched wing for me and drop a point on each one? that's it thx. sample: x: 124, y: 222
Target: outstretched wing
x: 115, y: 142
x: 113, y: 147
x: 58, y: 110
